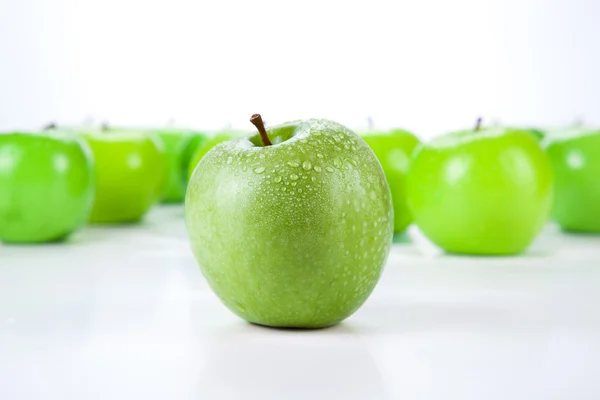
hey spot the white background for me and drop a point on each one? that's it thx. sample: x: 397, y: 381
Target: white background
x: 428, y: 65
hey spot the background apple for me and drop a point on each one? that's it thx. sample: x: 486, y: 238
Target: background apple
x: 130, y: 173
x: 294, y: 234
x: 177, y: 144
x: 482, y: 191
x: 195, y: 142
x: 575, y: 156
x: 205, y: 145
x: 394, y: 150
x: 46, y: 186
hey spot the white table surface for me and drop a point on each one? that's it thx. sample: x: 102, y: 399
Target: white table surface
x: 124, y: 313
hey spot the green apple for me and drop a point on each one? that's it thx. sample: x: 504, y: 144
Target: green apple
x: 537, y: 133
x: 204, y: 146
x: 177, y: 144
x: 575, y: 157
x: 46, y: 186
x: 130, y: 173
x: 481, y: 191
x: 196, y: 141
x: 293, y: 234
x: 394, y: 150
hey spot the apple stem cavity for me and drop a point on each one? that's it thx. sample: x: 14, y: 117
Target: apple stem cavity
x: 257, y: 121
x: 478, y: 124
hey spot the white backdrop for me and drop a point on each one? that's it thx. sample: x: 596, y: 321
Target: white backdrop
x: 427, y: 65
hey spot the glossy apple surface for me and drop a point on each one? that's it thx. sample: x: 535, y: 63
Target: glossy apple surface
x: 208, y: 144
x: 130, y: 174
x: 481, y: 192
x: 575, y: 156
x: 177, y: 144
x: 46, y: 186
x: 394, y: 150
x: 294, y: 234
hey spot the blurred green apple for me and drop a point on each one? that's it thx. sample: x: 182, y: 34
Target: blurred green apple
x: 482, y: 191
x: 394, y: 150
x: 46, y: 186
x: 177, y: 145
x: 130, y: 173
x: 293, y: 234
x: 575, y: 156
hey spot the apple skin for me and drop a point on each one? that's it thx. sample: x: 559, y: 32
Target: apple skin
x: 177, y: 143
x: 575, y: 156
x: 130, y: 174
x: 46, y: 186
x: 295, y: 234
x: 195, y: 142
x: 538, y: 134
x: 208, y: 144
x: 394, y: 151
x: 487, y: 192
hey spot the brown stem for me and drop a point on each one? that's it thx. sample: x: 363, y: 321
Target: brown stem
x: 257, y: 121
x: 49, y: 126
x: 478, y: 124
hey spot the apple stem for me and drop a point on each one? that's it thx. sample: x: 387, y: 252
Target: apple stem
x: 257, y: 121
x: 49, y: 126
x: 478, y: 124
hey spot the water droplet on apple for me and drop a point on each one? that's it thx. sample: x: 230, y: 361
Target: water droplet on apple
x: 294, y: 177
x: 293, y: 164
x: 284, y: 189
x: 312, y: 178
x: 319, y: 155
x: 277, y: 179
x: 307, y: 165
x: 373, y: 195
x: 299, y: 190
x: 329, y: 169
x: 294, y: 183
x: 250, y: 183
x: 317, y: 168
x: 259, y: 170
x: 337, y: 163
x: 229, y: 160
